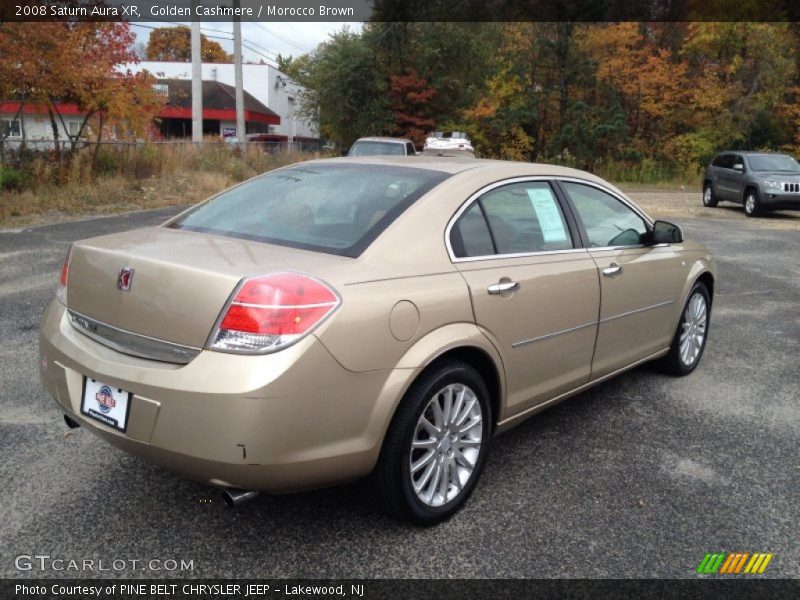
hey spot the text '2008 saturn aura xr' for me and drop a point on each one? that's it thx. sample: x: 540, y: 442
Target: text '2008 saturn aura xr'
x: 355, y: 317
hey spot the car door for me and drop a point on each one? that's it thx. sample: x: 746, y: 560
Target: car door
x: 640, y: 284
x: 730, y: 180
x: 717, y: 171
x: 736, y: 178
x: 534, y: 291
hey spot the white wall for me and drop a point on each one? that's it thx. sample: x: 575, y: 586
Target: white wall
x: 264, y: 82
x: 38, y: 127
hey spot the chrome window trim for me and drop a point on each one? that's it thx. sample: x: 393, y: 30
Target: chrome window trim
x: 133, y: 344
x: 518, y: 255
x: 536, y: 178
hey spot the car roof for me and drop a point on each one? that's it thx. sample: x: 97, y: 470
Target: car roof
x: 383, y: 139
x: 754, y: 153
x: 459, y: 164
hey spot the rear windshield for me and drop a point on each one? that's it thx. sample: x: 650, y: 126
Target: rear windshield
x: 773, y: 162
x: 377, y: 149
x: 446, y: 135
x: 333, y: 208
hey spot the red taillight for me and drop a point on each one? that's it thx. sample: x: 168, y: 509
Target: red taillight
x: 61, y: 291
x: 272, y: 311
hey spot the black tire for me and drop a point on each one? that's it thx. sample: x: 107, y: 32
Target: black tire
x: 392, y: 480
x: 673, y: 362
x: 752, y: 203
x: 709, y: 197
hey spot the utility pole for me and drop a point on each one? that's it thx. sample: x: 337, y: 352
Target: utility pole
x: 241, y: 132
x: 197, y: 84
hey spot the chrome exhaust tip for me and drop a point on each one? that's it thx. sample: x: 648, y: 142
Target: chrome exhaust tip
x: 234, y: 497
x: 72, y: 424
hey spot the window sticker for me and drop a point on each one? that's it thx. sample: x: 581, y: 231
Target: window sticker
x: 548, y: 213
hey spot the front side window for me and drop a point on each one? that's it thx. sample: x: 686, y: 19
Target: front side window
x: 724, y: 161
x: 738, y: 162
x: 517, y: 218
x: 608, y: 221
x: 338, y: 209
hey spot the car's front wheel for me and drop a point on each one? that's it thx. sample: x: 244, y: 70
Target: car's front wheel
x: 690, y: 337
x: 709, y: 197
x: 436, y: 446
x: 752, y: 204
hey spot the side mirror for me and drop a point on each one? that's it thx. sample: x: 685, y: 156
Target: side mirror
x: 738, y: 167
x: 666, y: 233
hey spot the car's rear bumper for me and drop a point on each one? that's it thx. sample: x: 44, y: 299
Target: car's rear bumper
x: 780, y: 201
x: 291, y: 420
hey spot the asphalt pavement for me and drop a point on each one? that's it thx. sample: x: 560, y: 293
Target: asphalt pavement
x: 638, y: 477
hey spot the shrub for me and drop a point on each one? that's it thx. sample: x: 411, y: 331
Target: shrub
x: 12, y: 179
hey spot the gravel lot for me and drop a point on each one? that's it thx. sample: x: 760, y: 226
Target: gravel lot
x: 639, y: 477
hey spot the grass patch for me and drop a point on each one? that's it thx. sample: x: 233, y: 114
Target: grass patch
x: 648, y: 172
x: 126, y: 177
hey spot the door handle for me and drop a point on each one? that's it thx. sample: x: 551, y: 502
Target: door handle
x: 502, y: 287
x: 612, y: 270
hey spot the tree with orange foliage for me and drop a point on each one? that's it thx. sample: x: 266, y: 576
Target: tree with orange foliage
x: 175, y: 44
x: 411, y: 106
x: 77, y: 63
x: 650, y: 80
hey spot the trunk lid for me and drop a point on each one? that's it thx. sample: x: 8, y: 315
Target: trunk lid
x: 180, y: 280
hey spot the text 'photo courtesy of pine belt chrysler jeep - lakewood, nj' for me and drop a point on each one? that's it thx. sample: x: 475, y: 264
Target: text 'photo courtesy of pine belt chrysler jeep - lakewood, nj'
x: 367, y: 317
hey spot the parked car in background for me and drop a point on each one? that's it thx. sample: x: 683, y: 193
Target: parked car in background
x: 375, y: 316
x: 382, y: 146
x: 448, y: 141
x: 761, y: 181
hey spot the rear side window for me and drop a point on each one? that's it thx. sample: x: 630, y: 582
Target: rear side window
x: 517, y: 218
x: 470, y: 235
x: 333, y: 208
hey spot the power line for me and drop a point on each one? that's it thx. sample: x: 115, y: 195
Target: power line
x: 283, y: 39
x: 216, y: 37
x: 246, y: 43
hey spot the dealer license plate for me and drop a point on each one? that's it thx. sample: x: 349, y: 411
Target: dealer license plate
x: 106, y: 403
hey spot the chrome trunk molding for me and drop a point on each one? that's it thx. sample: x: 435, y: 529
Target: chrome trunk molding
x: 131, y: 343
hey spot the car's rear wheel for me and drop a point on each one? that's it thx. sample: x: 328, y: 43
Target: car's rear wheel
x: 709, y: 197
x: 690, y: 337
x: 752, y: 204
x: 436, y: 446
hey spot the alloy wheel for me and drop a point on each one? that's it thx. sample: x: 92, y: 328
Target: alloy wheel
x: 750, y: 203
x: 695, y: 320
x: 446, y: 445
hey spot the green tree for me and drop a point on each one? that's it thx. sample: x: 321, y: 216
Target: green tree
x: 345, y: 94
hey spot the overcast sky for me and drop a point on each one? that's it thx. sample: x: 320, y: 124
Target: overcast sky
x: 262, y: 40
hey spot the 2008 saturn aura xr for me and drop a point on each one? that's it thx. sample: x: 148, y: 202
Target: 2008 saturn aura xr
x: 367, y: 316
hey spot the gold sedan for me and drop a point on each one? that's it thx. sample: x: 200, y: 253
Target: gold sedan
x: 367, y: 316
